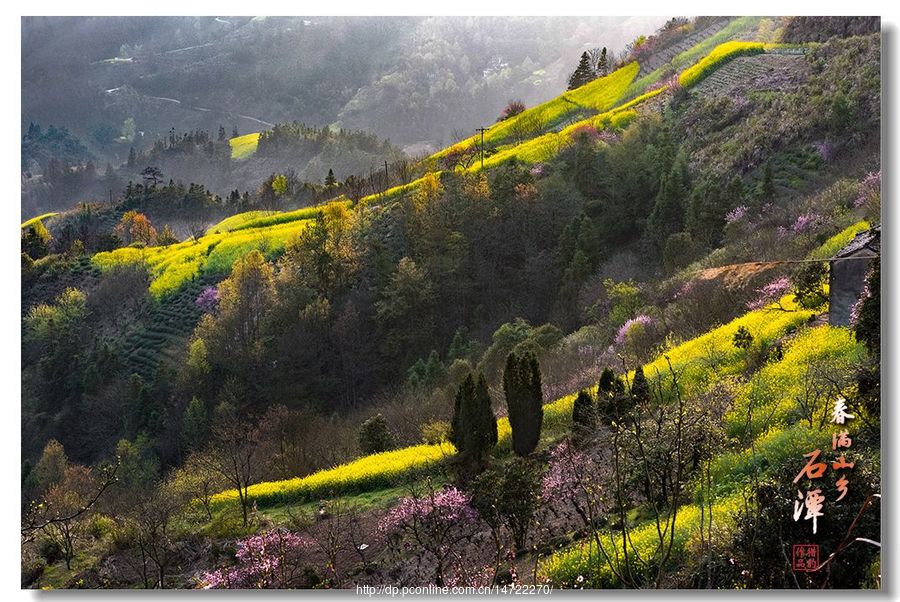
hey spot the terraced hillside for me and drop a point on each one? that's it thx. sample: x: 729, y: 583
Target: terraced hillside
x: 550, y: 127
x: 664, y: 56
x: 764, y: 72
x: 161, y: 336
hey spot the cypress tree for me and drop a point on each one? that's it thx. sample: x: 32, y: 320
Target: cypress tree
x: 330, y: 180
x: 434, y: 368
x: 473, y: 429
x: 605, y: 386
x: 524, y: 399
x: 640, y: 388
x: 460, y: 346
x: 583, y: 73
x: 584, y: 415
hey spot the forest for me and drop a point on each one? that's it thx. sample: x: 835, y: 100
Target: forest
x: 597, y: 344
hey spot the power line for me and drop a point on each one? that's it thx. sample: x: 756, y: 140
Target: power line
x: 482, y: 130
x: 780, y: 262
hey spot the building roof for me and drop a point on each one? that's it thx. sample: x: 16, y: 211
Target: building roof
x: 869, y: 239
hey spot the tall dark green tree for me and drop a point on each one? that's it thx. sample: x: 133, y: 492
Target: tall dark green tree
x: 473, y: 430
x: 583, y: 73
x: 330, y: 180
x: 195, y: 424
x: 765, y: 191
x: 584, y: 414
x: 603, y: 63
x: 524, y: 399
x: 640, y: 387
x: 667, y: 216
x: 605, y: 386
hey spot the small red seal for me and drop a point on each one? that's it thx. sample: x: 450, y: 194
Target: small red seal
x: 806, y: 557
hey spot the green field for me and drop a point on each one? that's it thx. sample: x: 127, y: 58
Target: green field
x: 244, y: 146
x: 39, y: 218
x: 173, y: 266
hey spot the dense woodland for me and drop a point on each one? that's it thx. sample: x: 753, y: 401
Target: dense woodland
x: 422, y: 316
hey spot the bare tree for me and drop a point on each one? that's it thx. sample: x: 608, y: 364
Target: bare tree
x: 233, y: 453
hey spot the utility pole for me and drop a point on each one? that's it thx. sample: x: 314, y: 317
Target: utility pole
x: 482, y: 130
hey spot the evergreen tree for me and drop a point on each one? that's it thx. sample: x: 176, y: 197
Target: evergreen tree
x: 868, y: 320
x: 667, y: 216
x: 584, y: 415
x: 330, y: 180
x: 473, y: 430
x: 132, y: 157
x: 434, y: 368
x: 606, y: 385
x: 375, y: 436
x: 524, y: 400
x: 460, y: 346
x: 583, y: 73
x: 765, y: 191
x: 640, y: 387
x: 36, y: 240
x: 603, y: 63
x: 195, y: 426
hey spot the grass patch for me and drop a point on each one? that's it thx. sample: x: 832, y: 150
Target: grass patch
x: 173, y: 266
x: 39, y: 218
x: 234, y: 221
x: 594, y: 97
x: 244, y: 146
x: 833, y: 245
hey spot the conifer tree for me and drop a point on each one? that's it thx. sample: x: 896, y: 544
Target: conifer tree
x: 765, y: 192
x: 195, y: 426
x: 330, y: 180
x: 460, y: 346
x: 605, y: 386
x: 667, y: 216
x: 375, y: 436
x: 603, y: 63
x: 584, y: 415
x: 473, y: 430
x: 583, y: 73
x: 524, y: 400
x: 640, y: 388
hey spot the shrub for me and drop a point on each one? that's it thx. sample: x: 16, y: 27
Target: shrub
x: 742, y: 338
x: 50, y: 550
x: 375, y: 436
x: 512, y: 109
x: 584, y: 415
x: 435, y: 432
x: 32, y: 571
x: 100, y: 526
